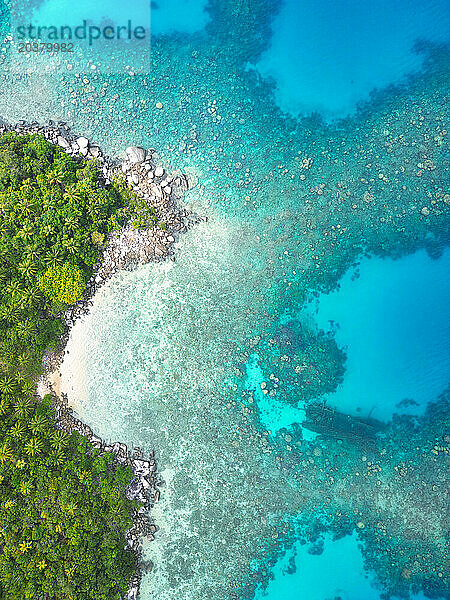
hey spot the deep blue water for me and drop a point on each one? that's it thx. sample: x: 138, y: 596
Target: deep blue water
x: 327, y: 56
x: 394, y: 321
x: 185, y: 16
x: 336, y: 573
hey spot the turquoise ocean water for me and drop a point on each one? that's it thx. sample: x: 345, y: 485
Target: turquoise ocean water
x: 393, y: 320
x: 402, y: 310
x: 328, y: 56
x: 322, y: 274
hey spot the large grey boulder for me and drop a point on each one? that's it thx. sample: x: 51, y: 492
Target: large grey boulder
x: 63, y: 142
x: 135, y: 154
x: 82, y: 142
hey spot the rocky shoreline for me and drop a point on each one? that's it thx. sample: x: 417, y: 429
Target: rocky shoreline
x: 125, y: 249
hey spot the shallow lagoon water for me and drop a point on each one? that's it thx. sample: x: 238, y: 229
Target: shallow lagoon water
x: 162, y: 386
x: 55, y: 13
x: 274, y: 415
x: 338, y: 572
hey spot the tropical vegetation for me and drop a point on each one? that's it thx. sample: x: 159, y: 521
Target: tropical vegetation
x: 63, y: 508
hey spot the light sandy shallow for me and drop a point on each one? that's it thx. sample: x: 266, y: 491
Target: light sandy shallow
x: 73, y: 374
x: 70, y: 377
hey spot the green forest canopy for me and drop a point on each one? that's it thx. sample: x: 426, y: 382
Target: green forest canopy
x: 63, y: 510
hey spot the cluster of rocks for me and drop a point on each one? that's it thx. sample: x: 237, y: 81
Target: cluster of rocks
x: 124, y: 250
x: 161, y: 192
x: 51, y: 131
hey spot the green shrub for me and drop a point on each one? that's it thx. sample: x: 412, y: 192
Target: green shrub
x: 62, y: 284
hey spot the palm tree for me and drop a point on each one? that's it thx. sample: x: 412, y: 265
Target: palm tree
x: 39, y: 423
x: 28, y: 387
x: 85, y: 477
x: 118, y: 514
x: 56, y: 458
x: 25, y: 363
x: 33, y: 254
x: 4, y: 229
x: 27, y: 232
x: 62, y: 176
x: 25, y: 546
x: 10, y: 312
x: 34, y: 446
x: 56, y: 176
x: 30, y: 206
x: 4, y: 274
x: 18, y: 430
x: 71, y: 246
x: 59, y: 439
x: 71, y: 508
x: 26, y: 328
x: 26, y: 487
x: 27, y: 269
x: 29, y: 298
x: 73, y: 195
x: 7, y: 386
x: 6, y: 453
x: 23, y: 407
x: 7, y: 353
x: 53, y: 258
x: 14, y: 288
x: 71, y: 222
x: 4, y: 406
x: 95, y: 212
x: 49, y: 202
x: 48, y: 230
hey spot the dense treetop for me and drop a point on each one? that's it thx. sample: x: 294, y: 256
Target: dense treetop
x: 63, y: 511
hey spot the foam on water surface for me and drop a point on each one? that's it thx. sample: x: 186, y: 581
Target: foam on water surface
x: 157, y: 348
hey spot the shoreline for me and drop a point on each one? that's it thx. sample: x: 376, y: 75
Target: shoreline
x: 125, y: 249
